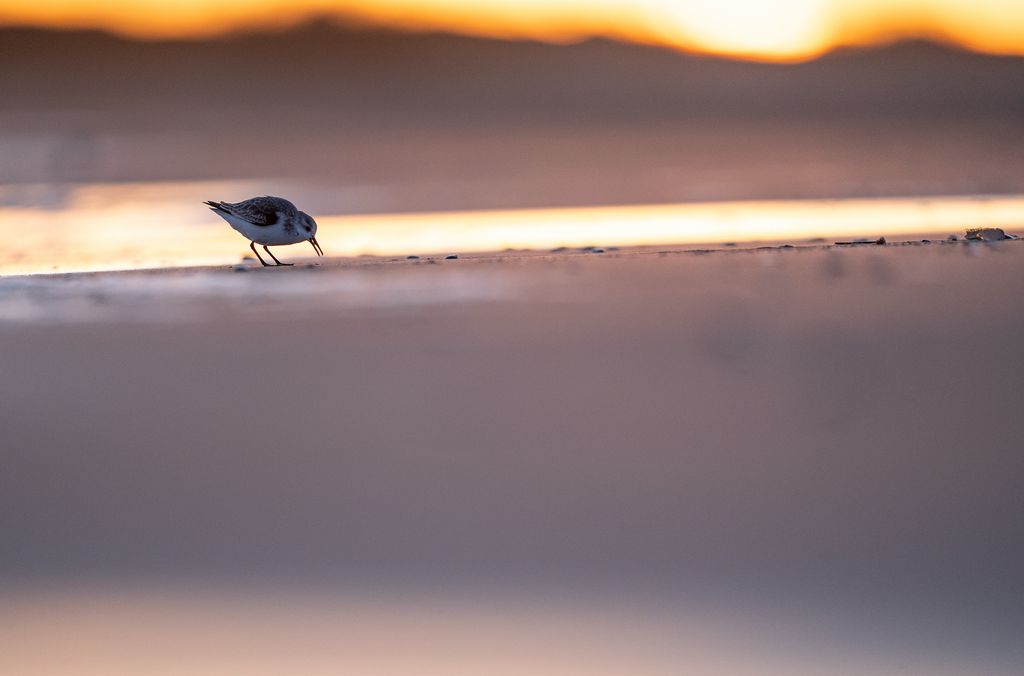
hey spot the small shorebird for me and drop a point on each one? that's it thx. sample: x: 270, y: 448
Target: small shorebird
x: 269, y: 221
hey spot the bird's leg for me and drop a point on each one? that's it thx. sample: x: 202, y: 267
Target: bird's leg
x: 275, y: 257
x: 252, y: 245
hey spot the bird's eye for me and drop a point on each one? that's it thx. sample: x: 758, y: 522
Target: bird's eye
x: 307, y: 228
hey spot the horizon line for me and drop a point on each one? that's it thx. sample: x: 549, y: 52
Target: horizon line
x: 354, y: 23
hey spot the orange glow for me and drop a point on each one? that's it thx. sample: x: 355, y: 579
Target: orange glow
x: 100, y: 229
x: 778, y: 30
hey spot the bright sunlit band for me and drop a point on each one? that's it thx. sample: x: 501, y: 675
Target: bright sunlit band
x: 779, y: 30
x: 106, y: 230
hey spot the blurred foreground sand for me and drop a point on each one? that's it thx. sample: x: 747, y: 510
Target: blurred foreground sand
x: 809, y: 426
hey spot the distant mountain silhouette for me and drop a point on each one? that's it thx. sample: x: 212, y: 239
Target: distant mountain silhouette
x: 398, y: 121
x: 343, y: 73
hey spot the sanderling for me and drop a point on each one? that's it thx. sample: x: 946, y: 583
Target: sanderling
x: 270, y: 221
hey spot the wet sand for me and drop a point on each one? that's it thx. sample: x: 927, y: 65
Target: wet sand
x: 822, y: 427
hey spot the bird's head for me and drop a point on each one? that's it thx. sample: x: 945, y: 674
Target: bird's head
x: 308, y: 227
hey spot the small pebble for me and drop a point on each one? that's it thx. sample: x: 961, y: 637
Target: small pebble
x: 953, y: 238
x: 412, y: 258
x: 241, y: 268
x: 451, y: 257
x: 987, y: 234
x: 596, y: 249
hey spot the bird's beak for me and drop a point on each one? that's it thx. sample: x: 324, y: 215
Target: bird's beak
x: 316, y: 246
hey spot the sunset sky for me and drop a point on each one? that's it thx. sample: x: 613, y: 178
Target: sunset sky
x: 780, y: 29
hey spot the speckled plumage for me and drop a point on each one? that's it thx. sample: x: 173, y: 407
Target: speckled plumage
x: 265, y: 210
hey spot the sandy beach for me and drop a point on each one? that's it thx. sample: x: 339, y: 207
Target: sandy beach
x: 810, y: 426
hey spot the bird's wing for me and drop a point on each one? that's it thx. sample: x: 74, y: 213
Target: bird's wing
x: 258, y: 210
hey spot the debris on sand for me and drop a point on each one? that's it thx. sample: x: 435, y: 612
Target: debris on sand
x: 412, y: 258
x: 451, y: 257
x: 595, y: 249
x: 987, y: 235
x: 878, y: 242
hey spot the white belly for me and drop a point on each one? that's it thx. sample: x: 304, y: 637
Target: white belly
x: 270, y: 235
